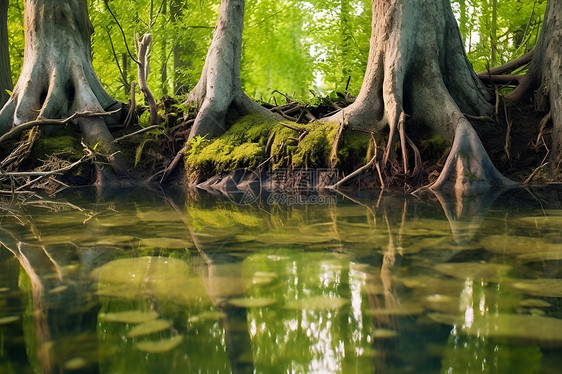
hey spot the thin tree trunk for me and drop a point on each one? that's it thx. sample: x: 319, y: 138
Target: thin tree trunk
x: 5, y: 71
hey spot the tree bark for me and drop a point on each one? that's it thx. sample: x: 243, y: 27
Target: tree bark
x: 57, y: 77
x: 5, y: 71
x: 543, y: 80
x: 417, y: 69
x: 219, y: 86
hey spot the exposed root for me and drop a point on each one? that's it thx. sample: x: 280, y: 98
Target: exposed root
x: 468, y: 169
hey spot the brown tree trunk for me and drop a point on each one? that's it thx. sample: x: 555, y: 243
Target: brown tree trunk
x: 543, y: 80
x: 5, y: 71
x: 417, y: 69
x: 57, y: 77
x: 219, y: 86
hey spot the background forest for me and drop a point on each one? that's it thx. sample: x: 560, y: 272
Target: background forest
x: 299, y: 48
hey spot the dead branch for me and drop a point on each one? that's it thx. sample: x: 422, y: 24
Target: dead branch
x: 143, y: 50
x: 46, y: 121
x: 542, y: 125
x: 502, y: 79
x: 292, y: 127
x: 508, y: 67
x: 47, y: 173
x: 132, y: 114
x: 507, y: 147
x: 141, y: 131
x: 534, y: 173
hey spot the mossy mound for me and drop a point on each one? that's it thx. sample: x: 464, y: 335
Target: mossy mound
x: 65, y: 145
x: 251, y: 140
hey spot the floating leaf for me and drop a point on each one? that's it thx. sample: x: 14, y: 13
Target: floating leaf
x: 532, y: 329
x: 403, y: 310
x: 317, y: 303
x: 474, y: 270
x: 9, y: 319
x: 57, y: 290
x: 554, y: 255
x: 254, y: 302
x: 132, y: 316
x: 75, y: 363
x: 444, y: 318
x: 160, y: 346
x: 384, y: 334
x: 207, y: 316
x: 535, y: 303
x: 540, y: 287
x: 149, y: 327
x: 510, y: 244
x: 170, y: 243
x: 442, y: 303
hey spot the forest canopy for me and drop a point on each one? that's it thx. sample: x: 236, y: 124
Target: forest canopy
x: 289, y: 46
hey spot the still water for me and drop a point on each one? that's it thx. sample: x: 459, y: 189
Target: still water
x: 367, y: 283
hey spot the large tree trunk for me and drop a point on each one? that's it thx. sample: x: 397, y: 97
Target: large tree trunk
x: 417, y: 68
x: 219, y: 86
x: 57, y: 77
x: 5, y: 71
x: 543, y: 79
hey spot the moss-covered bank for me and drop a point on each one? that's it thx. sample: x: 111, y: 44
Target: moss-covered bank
x: 253, y: 141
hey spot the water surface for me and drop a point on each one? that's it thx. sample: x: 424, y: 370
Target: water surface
x: 367, y: 283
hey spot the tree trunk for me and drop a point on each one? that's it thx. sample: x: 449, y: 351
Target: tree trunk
x: 5, y: 71
x: 543, y: 80
x: 57, y: 77
x: 219, y: 86
x: 417, y: 68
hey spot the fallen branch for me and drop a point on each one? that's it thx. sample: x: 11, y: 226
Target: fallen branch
x: 46, y: 121
x: 534, y: 173
x: 507, y: 146
x: 292, y: 127
x: 132, y: 114
x: 42, y: 174
x: 509, y: 66
x: 141, y: 131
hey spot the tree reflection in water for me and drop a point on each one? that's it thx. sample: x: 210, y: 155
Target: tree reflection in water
x: 357, y: 287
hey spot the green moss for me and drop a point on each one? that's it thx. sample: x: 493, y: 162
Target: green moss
x: 354, y: 149
x: 433, y: 147
x: 46, y: 146
x: 244, y: 145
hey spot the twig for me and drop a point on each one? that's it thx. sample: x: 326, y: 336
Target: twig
x: 534, y: 173
x: 46, y: 121
x: 131, y: 115
x: 122, y: 32
x: 42, y: 174
x: 172, y: 166
x: 292, y: 127
x: 141, y: 131
x: 542, y: 125
x: 507, y: 146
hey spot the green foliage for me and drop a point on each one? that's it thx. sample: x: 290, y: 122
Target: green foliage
x: 494, y: 40
x: 292, y: 46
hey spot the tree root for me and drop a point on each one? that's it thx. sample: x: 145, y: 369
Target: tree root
x: 468, y: 169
